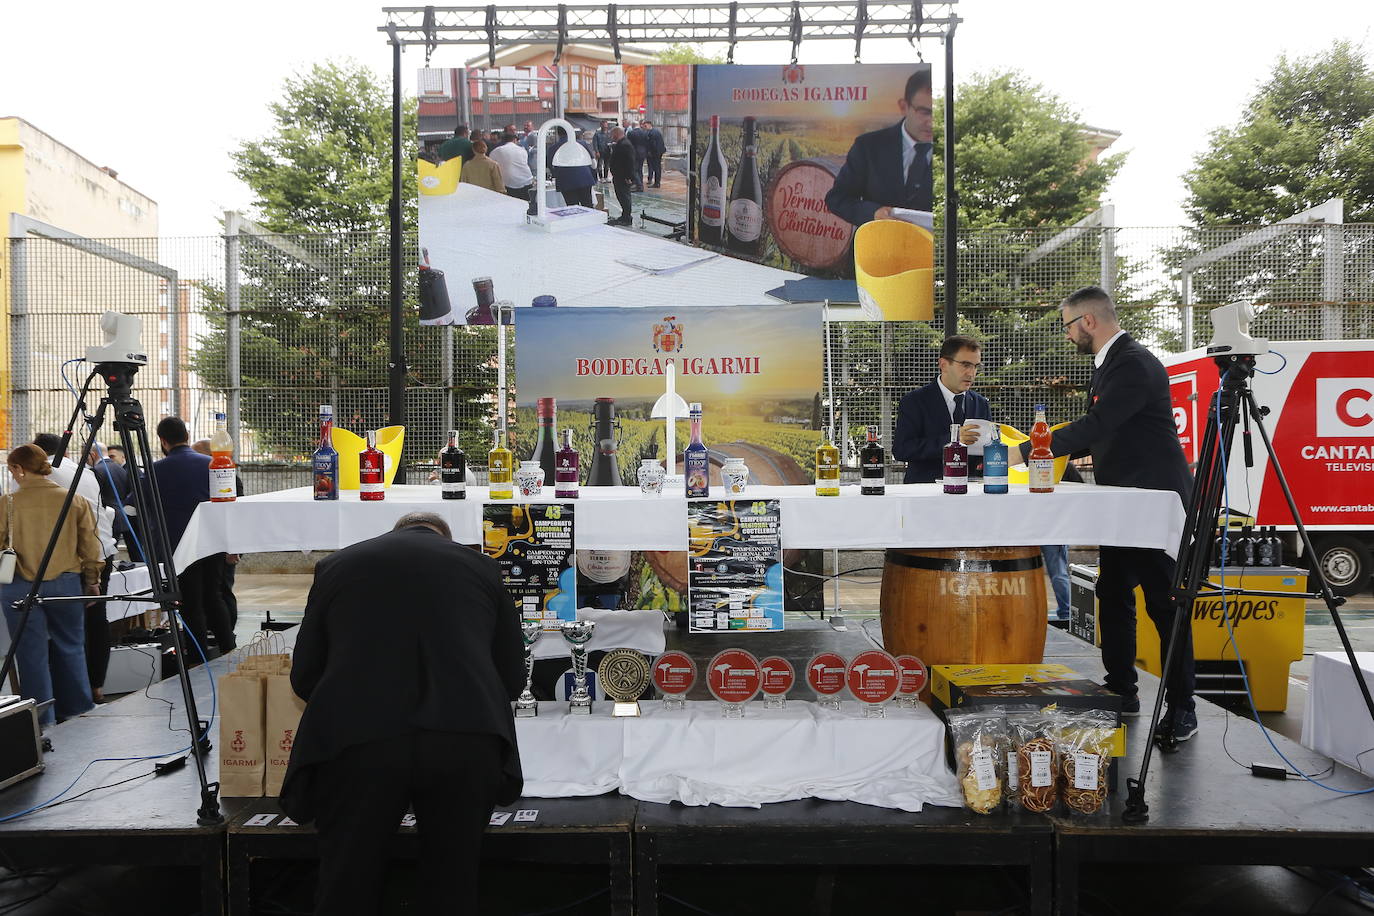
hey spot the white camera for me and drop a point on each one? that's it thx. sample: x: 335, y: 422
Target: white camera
x: 1231, y: 331
x: 123, y: 341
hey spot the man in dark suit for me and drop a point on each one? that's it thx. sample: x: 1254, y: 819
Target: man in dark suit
x: 414, y: 712
x: 889, y: 167
x: 1129, y: 431
x: 925, y: 415
x: 622, y: 176
x: 183, y: 482
x: 653, y: 154
x: 639, y: 142
x: 602, y: 142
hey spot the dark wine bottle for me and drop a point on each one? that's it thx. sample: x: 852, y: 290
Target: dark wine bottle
x: 545, y: 446
x: 605, y: 469
x: 744, y: 220
x: 714, y: 179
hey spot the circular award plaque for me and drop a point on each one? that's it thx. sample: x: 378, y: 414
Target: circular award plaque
x: 734, y: 676
x: 914, y: 675
x: 674, y: 673
x: 825, y: 673
x: 873, y: 676
x: 778, y: 676
x: 624, y: 675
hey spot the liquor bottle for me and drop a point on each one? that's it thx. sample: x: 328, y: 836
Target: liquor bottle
x: 371, y: 470
x: 1041, y: 459
x: 434, y: 302
x: 956, y: 463
x: 744, y: 221
x: 874, y: 464
x: 1266, y: 548
x: 325, y: 462
x: 545, y: 445
x: 565, y: 469
x: 827, y: 467
x: 499, y: 470
x: 1245, y: 547
x: 486, y: 295
x: 995, y: 464
x: 714, y: 178
x: 453, y: 469
x: 223, y: 471
x: 605, y: 469
x: 696, y: 463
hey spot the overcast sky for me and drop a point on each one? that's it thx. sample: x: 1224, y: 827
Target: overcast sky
x: 162, y: 91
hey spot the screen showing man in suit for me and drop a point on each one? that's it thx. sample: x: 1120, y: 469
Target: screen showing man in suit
x: 1129, y: 431
x: 890, y: 167
x: 924, y: 416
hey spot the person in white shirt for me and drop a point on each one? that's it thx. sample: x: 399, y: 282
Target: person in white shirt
x: 515, y: 167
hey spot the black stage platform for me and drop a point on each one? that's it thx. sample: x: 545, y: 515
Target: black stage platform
x: 1204, y: 809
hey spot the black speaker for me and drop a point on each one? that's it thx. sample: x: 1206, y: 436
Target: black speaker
x: 21, y: 752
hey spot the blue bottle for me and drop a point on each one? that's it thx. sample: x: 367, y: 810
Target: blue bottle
x: 995, y: 464
x: 696, y: 463
x: 325, y: 462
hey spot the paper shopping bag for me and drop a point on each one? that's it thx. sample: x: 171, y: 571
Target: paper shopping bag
x: 283, y: 716
x: 241, y: 765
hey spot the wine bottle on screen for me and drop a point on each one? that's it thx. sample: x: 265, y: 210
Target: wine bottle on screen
x: 605, y: 469
x: 714, y: 179
x: 744, y: 219
x: 545, y: 446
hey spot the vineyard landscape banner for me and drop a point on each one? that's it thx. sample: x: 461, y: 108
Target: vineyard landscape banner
x: 791, y: 160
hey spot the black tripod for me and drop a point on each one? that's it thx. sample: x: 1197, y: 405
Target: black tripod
x: 1233, y: 405
x: 157, y: 552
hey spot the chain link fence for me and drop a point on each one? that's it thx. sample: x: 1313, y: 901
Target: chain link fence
x: 266, y: 328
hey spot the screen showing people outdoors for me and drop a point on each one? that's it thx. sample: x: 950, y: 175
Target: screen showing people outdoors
x: 750, y: 177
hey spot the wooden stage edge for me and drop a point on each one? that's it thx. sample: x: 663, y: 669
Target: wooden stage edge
x: 1204, y: 809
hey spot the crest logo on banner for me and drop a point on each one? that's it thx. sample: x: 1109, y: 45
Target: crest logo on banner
x: 793, y: 74
x: 668, y: 335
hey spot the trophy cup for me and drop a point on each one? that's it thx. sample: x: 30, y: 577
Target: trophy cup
x: 578, y: 633
x: 526, y: 704
x: 624, y: 675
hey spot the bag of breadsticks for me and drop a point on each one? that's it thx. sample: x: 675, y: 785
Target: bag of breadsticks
x: 1085, y: 743
x: 1037, y: 760
x: 1010, y: 766
x: 979, y: 738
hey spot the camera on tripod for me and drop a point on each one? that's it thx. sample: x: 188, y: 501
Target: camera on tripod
x: 123, y: 341
x: 1231, y: 331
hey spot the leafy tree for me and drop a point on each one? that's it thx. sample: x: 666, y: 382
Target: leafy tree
x: 1306, y: 135
x: 688, y: 54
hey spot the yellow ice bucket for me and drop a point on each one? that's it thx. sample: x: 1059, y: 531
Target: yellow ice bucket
x: 894, y: 262
x: 350, y: 446
x: 437, y: 180
x: 1020, y: 473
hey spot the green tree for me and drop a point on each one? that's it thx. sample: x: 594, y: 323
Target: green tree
x: 688, y: 54
x: 1305, y: 136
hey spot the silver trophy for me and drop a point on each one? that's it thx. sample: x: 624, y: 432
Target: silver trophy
x: 530, y: 631
x: 578, y: 633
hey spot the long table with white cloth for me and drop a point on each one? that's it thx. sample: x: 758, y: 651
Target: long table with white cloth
x: 621, y: 518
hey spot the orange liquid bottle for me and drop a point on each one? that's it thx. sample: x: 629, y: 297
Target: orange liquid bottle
x: 1041, y: 459
x: 223, y: 470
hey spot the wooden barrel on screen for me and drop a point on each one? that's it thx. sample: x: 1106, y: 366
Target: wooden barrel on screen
x: 802, y: 225
x: 965, y: 605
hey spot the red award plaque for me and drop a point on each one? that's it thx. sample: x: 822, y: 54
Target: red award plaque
x: 674, y: 675
x: 913, y: 679
x: 734, y: 678
x: 778, y: 679
x: 873, y: 678
x: 825, y: 674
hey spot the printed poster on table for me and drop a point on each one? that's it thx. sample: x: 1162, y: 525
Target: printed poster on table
x: 734, y: 572
x: 533, y: 542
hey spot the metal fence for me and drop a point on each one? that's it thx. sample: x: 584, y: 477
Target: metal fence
x: 267, y: 327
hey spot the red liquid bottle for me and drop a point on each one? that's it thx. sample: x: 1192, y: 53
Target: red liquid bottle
x: 371, y: 470
x: 956, y: 463
x: 566, y: 469
x: 1041, y: 459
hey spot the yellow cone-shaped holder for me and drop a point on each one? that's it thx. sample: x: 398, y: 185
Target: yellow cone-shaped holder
x: 894, y: 262
x: 1020, y: 473
x: 349, y: 446
x: 437, y: 180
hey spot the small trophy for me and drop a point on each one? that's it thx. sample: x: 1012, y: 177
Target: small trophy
x: 674, y: 675
x: 526, y: 704
x: 778, y: 678
x: 624, y: 675
x: 874, y: 678
x: 913, y: 680
x: 578, y: 633
x: 733, y: 678
x: 825, y: 674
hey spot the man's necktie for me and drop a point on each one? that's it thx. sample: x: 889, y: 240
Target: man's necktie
x: 959, y: 409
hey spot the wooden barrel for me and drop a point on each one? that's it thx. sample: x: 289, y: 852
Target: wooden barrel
x: 802, y: 225
x: 965, y: 605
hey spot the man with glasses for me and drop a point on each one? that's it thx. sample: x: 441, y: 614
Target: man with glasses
x: 926, y: 414
x: 890, y: 167
x: 1129, y: 431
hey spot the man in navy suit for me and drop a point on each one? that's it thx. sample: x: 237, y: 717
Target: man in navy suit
x: 183, y: 482
x: 1129, y: 431
x: 889, y: 167
x: 925, y: 415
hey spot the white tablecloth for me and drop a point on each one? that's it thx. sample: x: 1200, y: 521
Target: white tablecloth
x: 128, y: 582
x: 1336, y: 722
x: 696, y: 757
x: 619, y: 518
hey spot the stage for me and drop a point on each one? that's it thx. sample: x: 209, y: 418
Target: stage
x: 1204, y: 809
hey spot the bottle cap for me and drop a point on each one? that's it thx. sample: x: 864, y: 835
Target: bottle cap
x: 327, y: 408
x: 544, y: 408
x: 694, y: 407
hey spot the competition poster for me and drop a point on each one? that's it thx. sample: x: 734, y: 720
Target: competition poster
x: 734, y: 572
x: 533, y: 542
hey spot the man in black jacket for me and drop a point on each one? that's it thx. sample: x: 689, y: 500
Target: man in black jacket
x: 890, y: 167
x: 654, y: 148
x: 925, y: 415
x: 408, y: 658
x: 622, y: 176
x: 1129, y: 430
